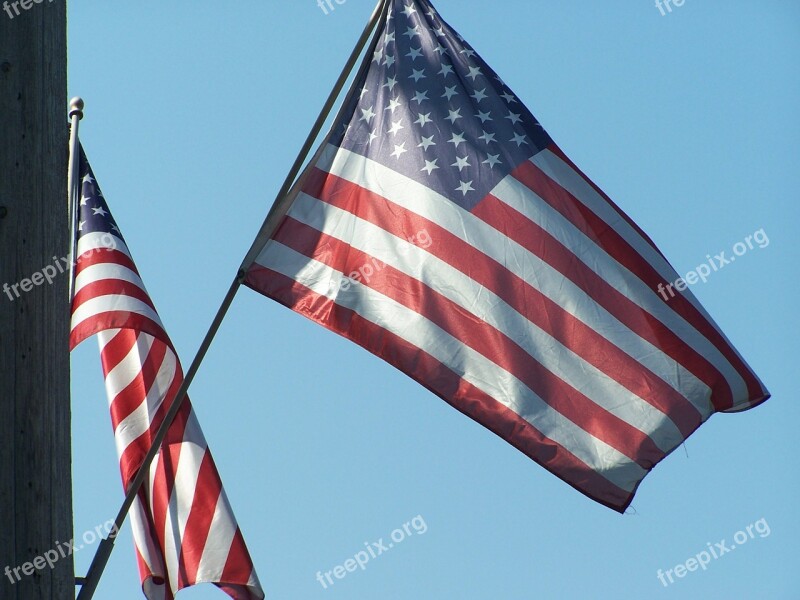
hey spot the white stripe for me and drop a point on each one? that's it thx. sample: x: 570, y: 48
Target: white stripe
x: 129, y: 368
x: 146, y: 545
x: 102, y: 271
x: 470, y: 365
x: 484, y: 305
x: 100, y: 242
x: 565, y: 176
x: 425, y: 202
x: 522, y: 199
x: 140, y: 420
x: 181, y: 501
x: 112, y: 303
x: 218, y: 546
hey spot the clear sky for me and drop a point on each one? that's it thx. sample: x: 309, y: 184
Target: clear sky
x: 688, y: 120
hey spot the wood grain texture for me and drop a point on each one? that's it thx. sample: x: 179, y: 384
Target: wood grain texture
x: 35, y: 459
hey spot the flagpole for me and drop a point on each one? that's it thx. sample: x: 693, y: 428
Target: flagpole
x: 90, y: 582
x: 75, y: 114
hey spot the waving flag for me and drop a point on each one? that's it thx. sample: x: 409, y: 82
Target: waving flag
x: 441, y: 228
x: 183, y: 526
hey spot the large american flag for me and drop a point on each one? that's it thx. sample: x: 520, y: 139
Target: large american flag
x: 183, y: 526
x: 441, y: 228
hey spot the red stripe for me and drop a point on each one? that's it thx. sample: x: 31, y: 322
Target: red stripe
x: 198, y: 524
x: 618, y: 248
x: 115, y: 320
x: 481, y: 337
x: 110, y: 287
x: 238, y: 568
x: 101, y: 256
x: 607, y: 357
x: 440, y: 380
x: 135, y: 393
x: 558, y: 152
x: 528, y: 301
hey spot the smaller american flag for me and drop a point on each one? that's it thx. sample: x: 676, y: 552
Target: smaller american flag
x: 183, y: 527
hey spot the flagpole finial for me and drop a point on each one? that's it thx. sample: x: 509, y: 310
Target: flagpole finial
x: 76, y: 107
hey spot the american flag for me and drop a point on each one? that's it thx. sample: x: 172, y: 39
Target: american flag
x: 183, y: 527
x: 440, y: 227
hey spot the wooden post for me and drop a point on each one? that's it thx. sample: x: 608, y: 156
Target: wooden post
x: 35, y: 473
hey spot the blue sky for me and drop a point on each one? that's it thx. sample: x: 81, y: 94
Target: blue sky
x: 195, y: 112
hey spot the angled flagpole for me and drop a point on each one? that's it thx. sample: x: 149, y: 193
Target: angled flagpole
x: 90, y: 582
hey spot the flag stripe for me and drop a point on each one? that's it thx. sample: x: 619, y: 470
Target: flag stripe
x: 441, y: 380
x: 522, y: 300
x: 418, y: 330
x: 608, y: 423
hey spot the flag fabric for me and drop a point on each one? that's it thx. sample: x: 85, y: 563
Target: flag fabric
x: 183, y: 527
x: 441, y: 228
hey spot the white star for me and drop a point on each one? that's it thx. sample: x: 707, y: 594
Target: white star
x: 415, y: 53
x: 488, y: 137
x: 466, y: 186
x: 474, y: 72
x: 493, y: 160
x: 99, y: 211
x: 422, y: 119
x: 398, y: 150
x: 479, y: 95
x: 484, y: 116
x: 393, y: 103
x: 468, y: 52
x: 449, y: 92
x: 80, y: 225
x: 372, y: 136
x: 366, y: 114
x: 84, y: 199
x: 87, y: 178
x: 396, y: 126
x: 390, y: 60
x: 409, y: 10
x: 454, y: 115
x: 412, y: 31
x: 520, y: 139
x: 417, y: 75
x: 440, y: 32
x: 431, y: 13
x: 461, y: 163
x: 420, y: 96
x: 388, y: 38
x: 446, y: 70
x: 364, y: 90
x: 441, y: 50
x: 458, y: 138
x: 426, y: 141
x: 377, y: 55
x: 508, y: 97
x: 513, y: 117
x: 390, y: 83
x: 114, y: 227
x: 430, y: 165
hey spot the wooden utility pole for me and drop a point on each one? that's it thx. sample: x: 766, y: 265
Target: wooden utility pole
x: 35, y: 473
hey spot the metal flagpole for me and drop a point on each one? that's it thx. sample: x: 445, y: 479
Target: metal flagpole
x: 90, y: 582
x: 73, y: 185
